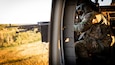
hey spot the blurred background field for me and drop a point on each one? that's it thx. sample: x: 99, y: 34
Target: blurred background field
x: 26, y: 54
x: 22, y: 48
x: 10, y: 37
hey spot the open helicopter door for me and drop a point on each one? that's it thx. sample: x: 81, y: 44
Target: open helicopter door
x: 61, y: 37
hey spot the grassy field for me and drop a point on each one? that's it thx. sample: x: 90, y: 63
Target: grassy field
x: 9, y: 37
x: 23, y: 48
x: 26, y: 54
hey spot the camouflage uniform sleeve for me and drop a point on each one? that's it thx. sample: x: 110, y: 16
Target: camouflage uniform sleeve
x: 85, y: 23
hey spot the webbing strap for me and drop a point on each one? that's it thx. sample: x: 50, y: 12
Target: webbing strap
x: 100, y: 44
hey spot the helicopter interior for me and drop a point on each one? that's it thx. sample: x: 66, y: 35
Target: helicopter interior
x: 61, y: 32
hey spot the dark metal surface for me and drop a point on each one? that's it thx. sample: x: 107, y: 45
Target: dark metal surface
x: 57, y: 6
x: 69, y: 49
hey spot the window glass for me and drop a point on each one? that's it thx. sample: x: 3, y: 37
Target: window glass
x: 104, y: 2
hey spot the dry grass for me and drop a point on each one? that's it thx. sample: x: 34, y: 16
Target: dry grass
x: 26, y: 54
x: 9, y: 37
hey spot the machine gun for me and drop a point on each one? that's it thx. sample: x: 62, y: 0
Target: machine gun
x: 23, y: 28
x: 41, y: 27
x: 27, y: 27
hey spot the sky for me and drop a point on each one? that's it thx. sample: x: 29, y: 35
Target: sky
x: 24, y: 11
x: 27, y: 11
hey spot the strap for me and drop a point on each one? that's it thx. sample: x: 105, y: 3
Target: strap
x: 100, y: 44
x: 81, y: 36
